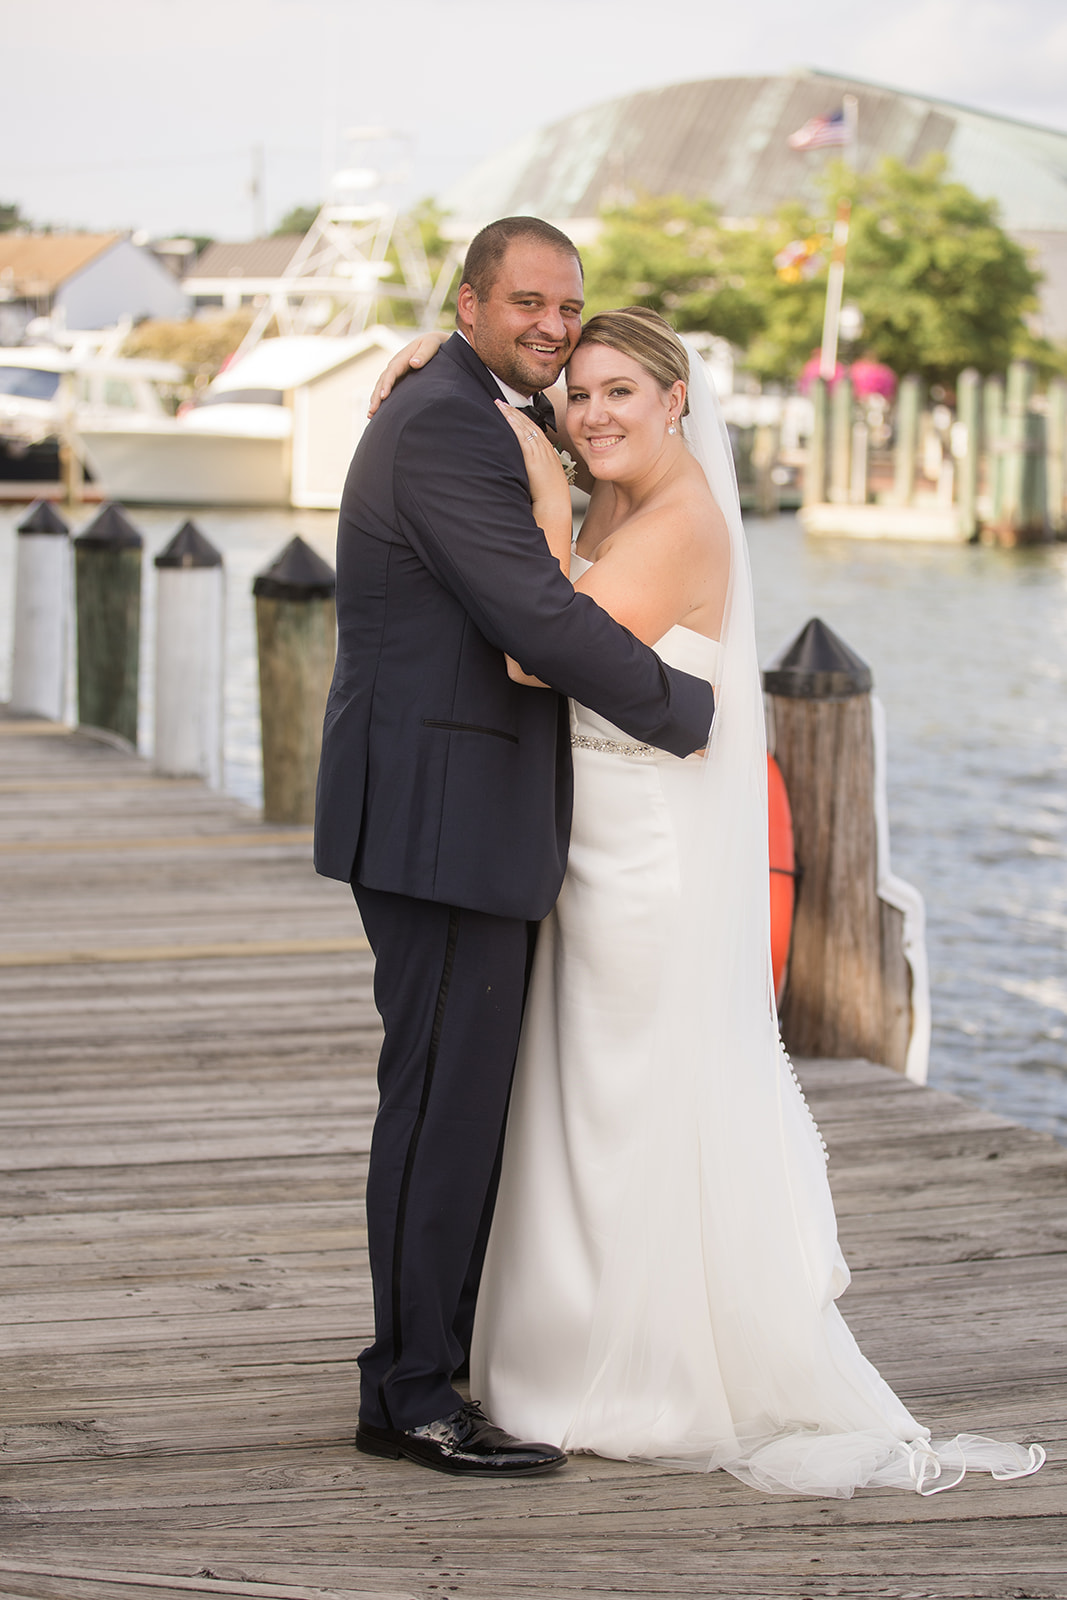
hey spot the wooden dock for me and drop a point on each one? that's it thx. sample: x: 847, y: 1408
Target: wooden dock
x: 931, y: 524
x: 187, y: 1070
x: 13, y: 491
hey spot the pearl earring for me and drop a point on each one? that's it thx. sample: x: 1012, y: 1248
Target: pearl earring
x: 672, y: 428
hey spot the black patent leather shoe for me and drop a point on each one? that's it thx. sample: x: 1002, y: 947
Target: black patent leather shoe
x: 465, y: 1442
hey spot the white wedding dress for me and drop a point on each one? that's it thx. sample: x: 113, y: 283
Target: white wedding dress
x: 662, y: 1269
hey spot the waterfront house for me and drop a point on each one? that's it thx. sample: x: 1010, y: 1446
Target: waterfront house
x: 231, y: 275
x: 81, y: 281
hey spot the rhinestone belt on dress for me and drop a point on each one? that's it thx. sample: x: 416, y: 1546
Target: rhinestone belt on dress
x: 618, y: 747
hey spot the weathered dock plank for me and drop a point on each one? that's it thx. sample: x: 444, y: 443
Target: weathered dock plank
x: 186, y: 1094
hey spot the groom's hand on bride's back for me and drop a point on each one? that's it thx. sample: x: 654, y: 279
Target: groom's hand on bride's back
x: 415, y: 354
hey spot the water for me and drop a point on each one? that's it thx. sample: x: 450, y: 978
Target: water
x: 968, y: 648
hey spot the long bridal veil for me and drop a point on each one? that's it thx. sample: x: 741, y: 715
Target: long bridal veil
x: 716, y: 1339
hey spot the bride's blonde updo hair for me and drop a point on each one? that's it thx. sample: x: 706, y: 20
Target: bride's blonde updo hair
x: 646, y: 338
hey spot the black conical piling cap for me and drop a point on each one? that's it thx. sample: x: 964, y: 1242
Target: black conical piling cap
x: 297, y: 574
x: 189, y: 548
x: 42, y: 517
x: 818, y: 665
x: 110, y: 529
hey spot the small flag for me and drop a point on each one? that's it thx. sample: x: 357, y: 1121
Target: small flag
x: 819, y: 132
x: 799, y: 260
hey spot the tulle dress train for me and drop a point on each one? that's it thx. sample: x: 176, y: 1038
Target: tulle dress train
x: 663, y: 1266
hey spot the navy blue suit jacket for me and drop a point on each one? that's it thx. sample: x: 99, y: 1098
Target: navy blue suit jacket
x: 440, y: 778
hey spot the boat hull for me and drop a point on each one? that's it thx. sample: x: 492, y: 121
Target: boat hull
x: 189, y: 468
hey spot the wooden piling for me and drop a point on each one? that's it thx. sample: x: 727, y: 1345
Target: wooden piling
x: 296, y: 625
x: 906, y: 446
x: 992, y: 441
x: 1018, y: 393
x: 861, y: 440
x: 1021, y: 517
x: 1036, y: 521
x: 72, y: 473
x: 1056, y: 456
x: 815, y: 470
x: 840, y: 442
x: 107, y: 582
x: 42, y: 614
x: 764, y: 455
x: 848, y: 986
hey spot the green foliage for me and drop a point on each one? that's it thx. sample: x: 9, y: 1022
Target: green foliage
x: 673, y: 254
x: 201, y: 344
x: 940, y: 284
x: 298, y: 220
x: 788, y: 310
x: 427, y: 217
x: 11, y: 217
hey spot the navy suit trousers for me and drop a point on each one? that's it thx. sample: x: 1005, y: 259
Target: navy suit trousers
x: 449, y: 984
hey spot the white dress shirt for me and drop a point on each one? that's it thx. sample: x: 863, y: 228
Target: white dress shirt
x: 512, y: 396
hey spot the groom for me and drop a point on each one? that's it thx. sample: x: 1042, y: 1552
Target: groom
x: 444, y: 799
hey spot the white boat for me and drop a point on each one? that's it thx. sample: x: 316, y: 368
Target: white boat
x: 276, y: 427
x: 279, y: 424
x: 46, y: 390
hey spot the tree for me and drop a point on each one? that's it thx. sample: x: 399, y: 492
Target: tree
x: 200, y: 344
x: 940, y: 284
x: 427, y: 218
x: 297, y: 220
x: 11, y: 217
x: 674, y: 255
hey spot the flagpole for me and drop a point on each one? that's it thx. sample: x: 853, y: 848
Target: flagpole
x: 835, y: 278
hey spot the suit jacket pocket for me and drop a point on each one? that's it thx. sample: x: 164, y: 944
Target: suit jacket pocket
x: 468, y: 727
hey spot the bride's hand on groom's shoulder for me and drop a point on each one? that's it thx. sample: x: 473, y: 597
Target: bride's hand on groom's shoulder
x: 550, y: 492
x: 543, y: 465
x: 415, y: 353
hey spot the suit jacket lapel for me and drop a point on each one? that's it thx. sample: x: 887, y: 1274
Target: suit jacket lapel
x: 464, y: 356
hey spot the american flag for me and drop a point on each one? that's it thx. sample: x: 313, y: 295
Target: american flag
x: 818, y: 132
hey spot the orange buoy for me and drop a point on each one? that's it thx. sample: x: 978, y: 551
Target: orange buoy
x: 783, y: 872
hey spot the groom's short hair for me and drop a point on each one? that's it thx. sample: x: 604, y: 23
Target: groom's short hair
x: 486, y: 251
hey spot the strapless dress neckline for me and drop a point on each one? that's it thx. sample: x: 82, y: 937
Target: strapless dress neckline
x: 680, y: 646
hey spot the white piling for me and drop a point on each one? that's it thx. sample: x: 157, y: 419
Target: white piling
x: 190, y: 610
x: 42, y: 614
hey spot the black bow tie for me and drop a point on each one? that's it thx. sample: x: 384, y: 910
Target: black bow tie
x: 540, y: 411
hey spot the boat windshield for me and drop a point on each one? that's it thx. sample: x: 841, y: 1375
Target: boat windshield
x: 28, y: 383
x: 242, y: 397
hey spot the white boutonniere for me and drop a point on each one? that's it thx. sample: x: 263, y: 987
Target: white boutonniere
x: 570, y: 466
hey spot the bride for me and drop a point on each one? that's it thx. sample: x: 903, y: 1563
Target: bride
x: 663, y: 1266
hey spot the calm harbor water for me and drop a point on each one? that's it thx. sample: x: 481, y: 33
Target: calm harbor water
x: 969, y: 653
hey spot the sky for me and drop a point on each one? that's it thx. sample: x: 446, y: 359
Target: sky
x: 155, y: 114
